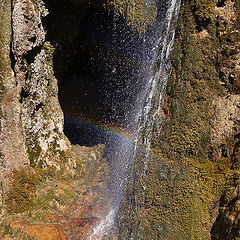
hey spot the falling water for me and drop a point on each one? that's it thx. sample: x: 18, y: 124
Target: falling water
x: 142, y: 113
x: 159, y: 78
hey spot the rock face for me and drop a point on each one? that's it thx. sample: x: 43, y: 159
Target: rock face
x: 62, y: 187
x: 191, y: 188
x: 13, y: 153
x: 31, y: 117
x: 42, y: 117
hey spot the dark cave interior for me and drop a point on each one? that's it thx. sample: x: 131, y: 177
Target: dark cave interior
x: 101, y: 65
x: 96, y: 66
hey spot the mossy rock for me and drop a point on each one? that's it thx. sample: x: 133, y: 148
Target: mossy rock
x: 138, y: 14
x: 22, y: 189
x: 203, y: 9
x: 174, y: 200
x: 55, y: 196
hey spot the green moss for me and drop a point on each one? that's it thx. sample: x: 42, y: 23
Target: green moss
x: 178, y: 201
x: 194, y: 80
x: 35, y: 190
x: 55, y: 148
x: 45, y: 173
x: 227, y: 223
x: 22, y: 190
x: 178, y: 196
x: 43, y: 201
x: 139, y: 14
x: 49, y: 50
x: 6, y: 230
x: 203, y: 9
x: 66, y: 197
x: 46, y: 199
x: 34, y: 151
x: 34, y: 1
x: 62, y: 155
x: 232, y: 183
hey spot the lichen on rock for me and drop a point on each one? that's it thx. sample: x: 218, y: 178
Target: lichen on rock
x: 42, y: 116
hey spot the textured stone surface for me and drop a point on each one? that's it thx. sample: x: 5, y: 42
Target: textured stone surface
x: 28, y: 31
x: 12, y: 150
x: 225, y: 123
x: 42, y: 117
x: 193, y: 176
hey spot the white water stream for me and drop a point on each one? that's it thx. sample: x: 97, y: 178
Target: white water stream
x: 158, y: 81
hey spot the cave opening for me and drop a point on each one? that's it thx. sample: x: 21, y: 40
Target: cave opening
x: 92, y: 70
x: 101, y: 64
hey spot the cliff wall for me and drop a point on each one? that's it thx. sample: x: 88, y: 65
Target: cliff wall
x: 190, y: 190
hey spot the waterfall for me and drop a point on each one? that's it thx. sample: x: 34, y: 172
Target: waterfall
x: 141, y: 115
x: 156, y: 86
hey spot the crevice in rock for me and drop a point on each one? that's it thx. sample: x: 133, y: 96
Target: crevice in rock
x: 38, y: 106
x: 231, y: 79
x: 24, y: 94
x: 202, y: 24
x: 224, y: 151
x: 220, y: 3
x: 32, y: 54
x: 12, y: 58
